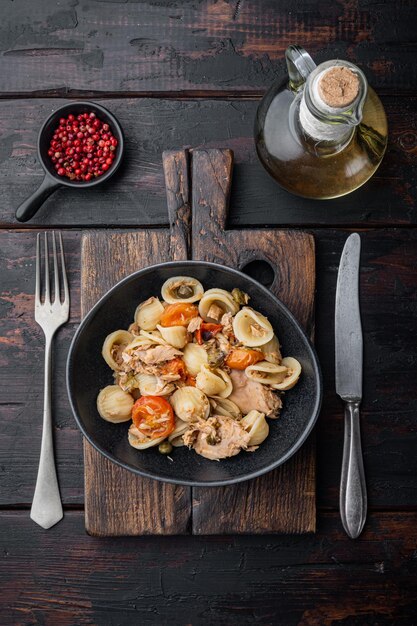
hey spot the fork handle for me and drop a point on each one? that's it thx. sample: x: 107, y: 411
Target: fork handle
x: 46, y: 506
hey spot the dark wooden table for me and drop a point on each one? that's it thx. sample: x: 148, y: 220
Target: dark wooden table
x: 191, y: 73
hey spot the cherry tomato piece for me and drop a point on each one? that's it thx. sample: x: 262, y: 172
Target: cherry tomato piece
x: 153, y: 417
x: 179, y: 314
x: 240, y: 358
x: 207, y: 331
x: 176, y: 367
x: 190, y: 381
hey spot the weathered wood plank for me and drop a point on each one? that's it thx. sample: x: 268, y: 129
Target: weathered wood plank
x: 389, y: 411
x: 228, y: 45
x: 388, y: 292
x: 178, y: 190
x: 136, y: 195
x: 21, y: 385
x: 121, y: 504
x: 118, y: 502
x: 66, y: 577
x: 249, y: 507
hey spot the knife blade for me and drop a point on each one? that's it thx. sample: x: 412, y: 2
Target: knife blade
x: 349, y: 366
x: 348, y: 327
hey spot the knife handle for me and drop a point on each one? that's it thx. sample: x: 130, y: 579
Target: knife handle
x: 353, y: 498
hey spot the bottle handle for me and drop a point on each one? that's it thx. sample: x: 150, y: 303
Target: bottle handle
x: 299, y: 65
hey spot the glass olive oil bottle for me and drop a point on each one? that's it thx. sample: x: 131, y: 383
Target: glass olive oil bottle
x: 323, y: 133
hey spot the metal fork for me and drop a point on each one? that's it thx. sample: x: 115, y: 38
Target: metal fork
x: 50, y: 315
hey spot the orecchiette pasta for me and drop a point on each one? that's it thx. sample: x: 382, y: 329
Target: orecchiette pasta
x: 176, y: 436
x: 148, y: 313
x: 181, y: 289
x: 194, y: 357
x: 271, y: 351
x: 114, y: 405
x: 113, y: 346
x: 127, y: 381
x: 292, y: 375
x: 266, y: 373
x: 252, y: 328
x: 150, y: 385
x: 197, y: 368
x: 153, y: 336
x: 256, y: 425
x: 139, y: 441
x: 145, y: 340
x: 174, y: 335
x: 215, y: 303
x: 214, y: 382
x: 190, y: 404
x: 224, y: 406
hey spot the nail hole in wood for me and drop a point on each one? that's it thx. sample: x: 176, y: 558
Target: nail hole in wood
x: 261, y: 271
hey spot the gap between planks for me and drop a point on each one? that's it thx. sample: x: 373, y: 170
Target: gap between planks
x: 192, y: 94
x: 357, y: 227
x: 320, y: 510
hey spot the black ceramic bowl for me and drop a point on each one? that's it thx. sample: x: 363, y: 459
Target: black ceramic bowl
x: 87, y: 373
x: 52, y: 181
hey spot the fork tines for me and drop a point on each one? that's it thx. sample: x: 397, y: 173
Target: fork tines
x: 46, y: 283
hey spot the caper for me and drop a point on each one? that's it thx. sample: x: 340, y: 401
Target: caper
x: 215, y: 357
x: 165, y: 447
x: 240, y: 296
x: 185, y: 291
x: 214, y: 438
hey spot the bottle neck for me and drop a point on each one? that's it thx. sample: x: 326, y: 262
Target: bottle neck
x: 332, y: 83
x: 319, y: 130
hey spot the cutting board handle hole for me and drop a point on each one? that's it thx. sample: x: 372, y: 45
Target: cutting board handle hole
x: 260, y: 270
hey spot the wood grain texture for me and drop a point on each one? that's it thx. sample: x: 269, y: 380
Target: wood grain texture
x: 289, y: 253
x: 64, y: 577
x: 136, y: 196
x: 118, y: 502
x: 90, y: 47
x: 109, y: 48
x: 281, y: 501
x: 21, y: 384
x: 389, y: 408
x: 177, y: 184
x: 251, y: 507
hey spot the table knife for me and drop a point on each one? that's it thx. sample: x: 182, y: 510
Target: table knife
x: 349, y: 363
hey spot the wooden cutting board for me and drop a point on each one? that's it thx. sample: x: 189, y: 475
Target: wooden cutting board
x: 118, y: 502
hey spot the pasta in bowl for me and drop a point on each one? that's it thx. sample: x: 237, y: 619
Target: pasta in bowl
x: 193, y: 361
x: 199, y: 376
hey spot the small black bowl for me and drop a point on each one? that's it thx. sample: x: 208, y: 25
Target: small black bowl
x: 52, y: 181
x: 87, y: 373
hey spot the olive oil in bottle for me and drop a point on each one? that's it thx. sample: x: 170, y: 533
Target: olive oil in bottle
x: 323, y: 133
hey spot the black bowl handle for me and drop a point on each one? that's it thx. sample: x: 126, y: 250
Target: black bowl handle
x: 29, y: 207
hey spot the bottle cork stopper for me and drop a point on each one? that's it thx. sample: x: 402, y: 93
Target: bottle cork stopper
x: 338, y: 87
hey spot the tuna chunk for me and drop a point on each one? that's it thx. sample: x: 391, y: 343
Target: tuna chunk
x: 158, y: 354
x: 227, y: 323
x: 117, y: 353
x: 215, y: 312
x: 250, y: 395
x: 194, y: 324
x: 218, y: 437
